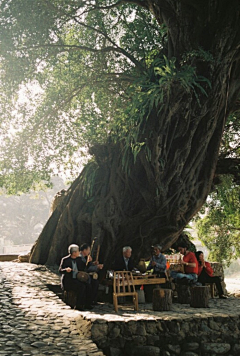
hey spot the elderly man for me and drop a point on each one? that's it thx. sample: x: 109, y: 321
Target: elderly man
x: 124, y: 262
x: 158, y: 262
x: 69, y: 267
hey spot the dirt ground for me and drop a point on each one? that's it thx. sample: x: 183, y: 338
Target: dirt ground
x: 233, y: 285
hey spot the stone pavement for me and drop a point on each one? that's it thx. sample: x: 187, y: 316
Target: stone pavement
x: 33, y: 320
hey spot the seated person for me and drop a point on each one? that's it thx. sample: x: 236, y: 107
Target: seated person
x: 124, y: 262
x: 69, y: 267
x: 158, y: 262
x: 205, y: 274
x: 90, y: 267
x: 190, y: 263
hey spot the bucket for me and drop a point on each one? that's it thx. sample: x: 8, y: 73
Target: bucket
x: 141, y: 296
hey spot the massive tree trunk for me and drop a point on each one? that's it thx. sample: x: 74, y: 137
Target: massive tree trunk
x: 155, y: 200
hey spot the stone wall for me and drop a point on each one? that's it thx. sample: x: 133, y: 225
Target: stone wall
x: 205, y: 336
x: 5, y: 258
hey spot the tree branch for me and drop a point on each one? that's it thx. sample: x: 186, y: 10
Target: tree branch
x: 116, y: 48
x: 116, y: 4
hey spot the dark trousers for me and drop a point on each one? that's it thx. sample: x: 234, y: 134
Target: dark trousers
x: 95, y: 284
x: 148, y: 289
x: 205, y: 278
x: 83, y: 290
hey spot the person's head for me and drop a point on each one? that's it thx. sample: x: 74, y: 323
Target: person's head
x: 85, y: 249
x: 157, y: 249
x: 199, y: 256
x: 73, y: 250
x: 127, y: 251
x: 182, y: 248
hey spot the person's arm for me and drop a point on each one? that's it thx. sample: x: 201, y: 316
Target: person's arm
x: 92, y: 268
x: 191, y: 263
x: 162, y: 263
x: 63, y: 269
x: 208, y: 268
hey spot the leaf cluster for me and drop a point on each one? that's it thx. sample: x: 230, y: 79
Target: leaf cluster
x: 219, y: 228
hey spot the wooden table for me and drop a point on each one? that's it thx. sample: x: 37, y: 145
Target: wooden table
x: 140, y: 280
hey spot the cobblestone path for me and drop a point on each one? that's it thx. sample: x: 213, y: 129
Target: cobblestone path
x: 33, y: 320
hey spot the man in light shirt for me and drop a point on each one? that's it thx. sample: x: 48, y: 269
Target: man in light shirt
x: 158, y: 262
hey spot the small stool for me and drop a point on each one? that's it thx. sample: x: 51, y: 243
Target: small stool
x: 70, y: 298
x: 162, y: 299
x: 199, y: 297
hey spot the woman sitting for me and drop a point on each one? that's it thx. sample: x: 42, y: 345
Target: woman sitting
x: 205, y: 274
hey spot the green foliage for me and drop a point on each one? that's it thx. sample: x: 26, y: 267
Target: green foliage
x: 148, y: 92
x: 81, y: 61
x: 230, y: 143
x: 97, y: 70
x: 219, y: 228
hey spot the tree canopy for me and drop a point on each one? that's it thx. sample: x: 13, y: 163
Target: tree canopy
x: 149, y: 86
x: 96, y: 67
x: 88, y: 62
x: 219, y: 229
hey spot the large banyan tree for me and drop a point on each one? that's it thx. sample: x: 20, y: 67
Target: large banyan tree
x: 148, y: 86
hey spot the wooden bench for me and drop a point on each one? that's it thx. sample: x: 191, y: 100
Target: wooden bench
x: 123, y: 286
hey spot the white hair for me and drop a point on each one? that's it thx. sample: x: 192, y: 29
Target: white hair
x: 73, y: 248
x: 125, y: 248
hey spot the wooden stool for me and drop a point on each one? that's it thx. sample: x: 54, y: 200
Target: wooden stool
x: 183, y: 293
x: 70, y: 298
x: 123, y: 286
x: 200, y: 297
x: 162, y: 299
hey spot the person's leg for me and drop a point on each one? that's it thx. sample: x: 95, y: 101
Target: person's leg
x: 80, y: 289
x: 88, y: 294
x: 208, y: 279
x: 95, y: 284
x: 81, y: 294
x: 191, y: 277
x: 177, y: 275
x: 148, y: 290
x: 204, y: 277
x: 217, y: 281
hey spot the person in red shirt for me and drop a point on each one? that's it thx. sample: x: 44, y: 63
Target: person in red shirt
x: 205, y: 274
x: 190, y: 264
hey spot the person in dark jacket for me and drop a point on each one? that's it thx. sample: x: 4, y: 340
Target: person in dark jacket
x: 124, y: 262
x: 69, y: 267
x: 205, y: 274
x: 92, y: 267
